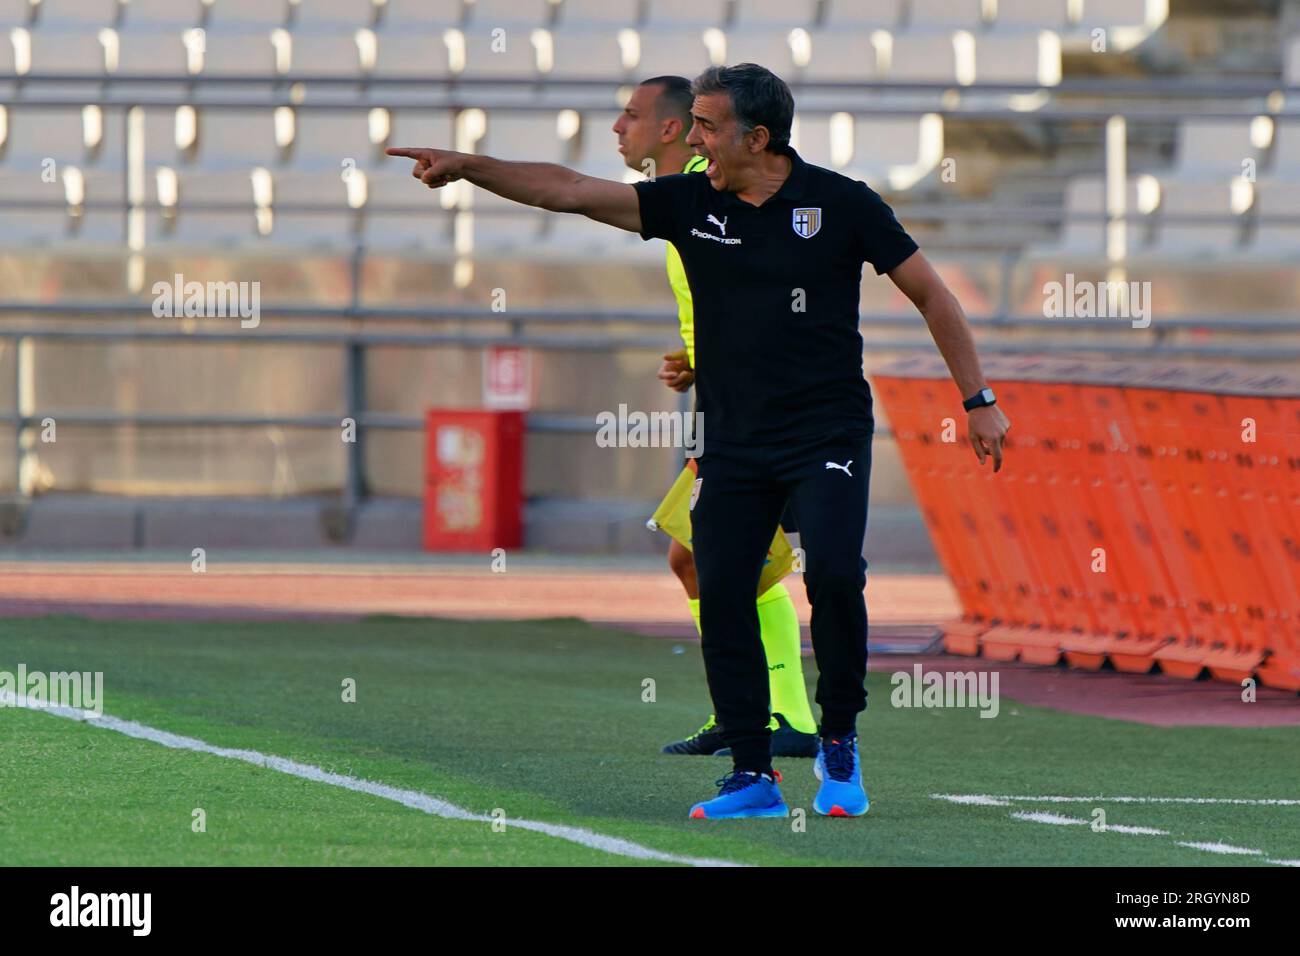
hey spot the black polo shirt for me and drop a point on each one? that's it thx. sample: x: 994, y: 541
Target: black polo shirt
x: 767, y: 373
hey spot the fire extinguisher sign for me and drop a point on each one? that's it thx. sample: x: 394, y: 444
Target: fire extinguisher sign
x: 507, y: 378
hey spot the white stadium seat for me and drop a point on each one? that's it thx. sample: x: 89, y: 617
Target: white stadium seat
x: 73, y: 52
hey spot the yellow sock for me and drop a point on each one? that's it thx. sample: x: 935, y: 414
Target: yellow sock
x: 779, y: 627
x: 694, y: 605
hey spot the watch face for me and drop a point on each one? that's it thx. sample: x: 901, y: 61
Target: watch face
x: 988, y: 395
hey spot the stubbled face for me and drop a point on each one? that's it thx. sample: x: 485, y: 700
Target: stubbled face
x: 639, y: 128
x: 716, y: 135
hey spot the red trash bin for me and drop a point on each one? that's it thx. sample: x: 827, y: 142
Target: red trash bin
x: 474, y: 467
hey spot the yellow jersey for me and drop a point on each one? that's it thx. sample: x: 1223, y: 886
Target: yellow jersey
x: 677, y: 279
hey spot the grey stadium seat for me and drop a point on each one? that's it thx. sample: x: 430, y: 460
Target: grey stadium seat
x: 325, y: 54
x: 610, y: 14
x: 886, y: 146
x: 1083, y: 231
x: 239, y: 54
x: 324, y: 138
x: 680, y: 52
x: 152, y: 16
x: 1018, y: 57
x: 75, y: 14
x: 1291, y: 61
x: 774, y: 14
x: 857, y: 14
x: 34, y: 134
x: 598, y: 150
x: 841, y: 55
x: 419, y: 53
x: 769, y: 48
x: 523, y: 136
x: 491, y: 13
x: 518, y: 59
x: 1179, y: 240
x: 333, y: 15
x: 15, y: 13
x: 73, y: 52
x: 152, y: 53
x: 245, y: 16
x: 946, y: 15
x: 419, y: 224
x: 928, y: 57
x: 1277, y: 198
x: 1213, y: 147
x: 236, y: 139
x: 1286, y: 146
x: 1031, y: 15
x: 591, y: 52
x: 420, y: 14
x: 680, y: 13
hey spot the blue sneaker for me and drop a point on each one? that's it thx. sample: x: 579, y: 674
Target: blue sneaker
x: 837, y: 767
x: 743, y: 794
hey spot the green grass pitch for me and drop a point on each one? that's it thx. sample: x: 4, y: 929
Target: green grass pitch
x: 546, y: 721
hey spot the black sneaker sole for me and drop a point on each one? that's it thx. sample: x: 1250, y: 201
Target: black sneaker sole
x: 706, y: 744
x: 786, y: 742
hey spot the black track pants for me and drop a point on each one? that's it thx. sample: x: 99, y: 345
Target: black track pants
x: 742, y: 493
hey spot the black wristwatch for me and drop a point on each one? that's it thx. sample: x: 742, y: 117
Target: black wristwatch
x: 981, y: 398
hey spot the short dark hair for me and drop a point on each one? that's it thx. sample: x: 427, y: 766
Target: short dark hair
x: 758, y: 98
x: 674, y: 100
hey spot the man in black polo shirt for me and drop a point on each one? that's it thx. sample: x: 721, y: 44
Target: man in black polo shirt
x: 773, y: 249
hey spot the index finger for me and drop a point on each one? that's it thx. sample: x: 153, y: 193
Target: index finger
x: 410, y: 152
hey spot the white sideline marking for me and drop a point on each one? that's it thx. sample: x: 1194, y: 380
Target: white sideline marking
x: 991, y: 800
x: 409, y: 798
x: 1056, y: 818
x: 1053, y: 818
x: 1223, y: 848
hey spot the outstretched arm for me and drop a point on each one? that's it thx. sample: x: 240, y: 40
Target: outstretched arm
x: 544, y: 185
x: 943, y: 314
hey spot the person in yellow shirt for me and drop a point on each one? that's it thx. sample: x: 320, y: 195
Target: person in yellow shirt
x: 651, y: 134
